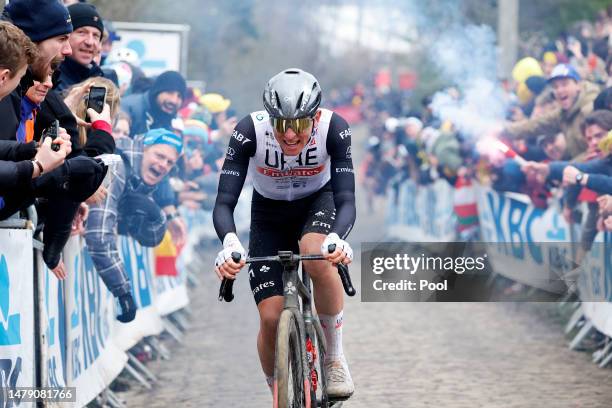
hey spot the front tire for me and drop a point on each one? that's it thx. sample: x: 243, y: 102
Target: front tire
x: 292, y: 389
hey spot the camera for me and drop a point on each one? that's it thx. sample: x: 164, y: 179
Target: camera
x: 52, y: 131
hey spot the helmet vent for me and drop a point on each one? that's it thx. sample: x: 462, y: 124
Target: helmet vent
x: 299, y: 101
x: 291, y: 72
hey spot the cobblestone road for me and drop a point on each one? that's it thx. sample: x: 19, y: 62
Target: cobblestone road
x: 400, y: 354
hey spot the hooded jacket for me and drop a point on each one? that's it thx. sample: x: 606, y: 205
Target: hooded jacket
x: 568, y: 122
x: 145, y: 113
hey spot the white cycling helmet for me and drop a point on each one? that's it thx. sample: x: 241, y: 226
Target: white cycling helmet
x: 292, y: 93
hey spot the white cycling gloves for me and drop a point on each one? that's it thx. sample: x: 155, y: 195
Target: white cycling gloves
x: 231, y: 243
x: 333, y: 238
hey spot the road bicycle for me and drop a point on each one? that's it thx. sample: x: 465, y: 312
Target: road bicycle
x: 299, y: 368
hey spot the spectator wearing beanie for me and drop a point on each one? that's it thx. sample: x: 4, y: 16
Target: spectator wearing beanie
x: 48, y: 27
x: 130, y: 209
x: 157, y: 107
x: 48, y: 24
x: 86, y: 43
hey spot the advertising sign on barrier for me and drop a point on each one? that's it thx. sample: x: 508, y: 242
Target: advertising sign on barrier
x: 138, y: 263
x: 17, y: 361
x: 53, y: 328
x: 595, y: 283
x: 510, y: 218
x: 420, y: 215
x: 93, y: 358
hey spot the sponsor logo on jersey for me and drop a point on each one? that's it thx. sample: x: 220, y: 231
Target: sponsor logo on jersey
x: 349, y: 152
x: 230, y: 153
x: 231, y: 173
x: 344, y: 170
x: 319, y: 214
x: 264, y: 268
x: 240, y: 137
x: 259, y: 116
x: 345, y: 133
x: 317, y: 223
x: 295, y: 172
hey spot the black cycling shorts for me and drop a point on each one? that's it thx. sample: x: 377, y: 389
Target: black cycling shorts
x: 278, y: 226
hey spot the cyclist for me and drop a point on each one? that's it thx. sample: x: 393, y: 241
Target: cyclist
x: 299, y: 158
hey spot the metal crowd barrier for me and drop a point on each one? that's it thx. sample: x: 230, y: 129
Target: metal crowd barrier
x: 425, y: 214
x: 64, y: 333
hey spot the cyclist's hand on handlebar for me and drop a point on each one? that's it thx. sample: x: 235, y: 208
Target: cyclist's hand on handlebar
x: 225, y: 267
x: 343, y: 252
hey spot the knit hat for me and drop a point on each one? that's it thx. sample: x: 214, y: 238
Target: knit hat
x: 85, y: 15
x: 169, y: 81
x: 40, y: 19
x: 163, y: 136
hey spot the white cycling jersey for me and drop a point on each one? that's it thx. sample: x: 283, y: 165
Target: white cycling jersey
x: 279, y: 177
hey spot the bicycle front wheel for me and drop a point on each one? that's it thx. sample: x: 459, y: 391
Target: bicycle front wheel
x: 292, y: 387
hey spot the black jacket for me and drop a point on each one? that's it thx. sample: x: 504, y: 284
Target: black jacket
x: 72, y: 73
x: 15, y: 165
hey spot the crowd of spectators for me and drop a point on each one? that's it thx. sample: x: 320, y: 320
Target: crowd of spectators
x: 121, y: 168
x: 555, y: 139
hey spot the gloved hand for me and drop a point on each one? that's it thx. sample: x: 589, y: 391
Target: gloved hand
x: 140, y: 217
x: 225, y: 267
x: 343, y: 252
x: 128, y: 308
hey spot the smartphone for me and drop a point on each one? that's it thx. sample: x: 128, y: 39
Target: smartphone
x: 52, y: 132
x: 97, y: 98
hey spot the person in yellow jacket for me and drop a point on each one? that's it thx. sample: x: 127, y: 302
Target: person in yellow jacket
x: 575, y: 99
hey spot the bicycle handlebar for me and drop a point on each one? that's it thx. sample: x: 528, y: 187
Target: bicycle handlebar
x: 227, y: 285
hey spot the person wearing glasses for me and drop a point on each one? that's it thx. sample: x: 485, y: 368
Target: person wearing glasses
x: 299, y: 158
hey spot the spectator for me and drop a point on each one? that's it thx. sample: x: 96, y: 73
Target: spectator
x: 595, y: 175
x: 49, y: 27
x: 86, y: 43
x: 575, y: 98
x: 130, y: 209
x: 157, y: 107
x: 121, y: 126
x: 19, y: 163
x: 17, y: 51
x: 108, y: 114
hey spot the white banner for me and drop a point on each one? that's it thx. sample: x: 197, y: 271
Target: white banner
x: 93, y: 358
x: 53, y: 328
x: 511, y: 219
x: 138, y: 263
x: 421, y: 213
x: 171, y: 294
x: 595, y: 283
x: 16, y: 313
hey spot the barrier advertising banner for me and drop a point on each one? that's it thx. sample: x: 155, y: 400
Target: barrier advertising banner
x: 518, y: 228
x: 421, y: 215
x: 138, y: 263
x: 17, y: 358
x: 93, y: 358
